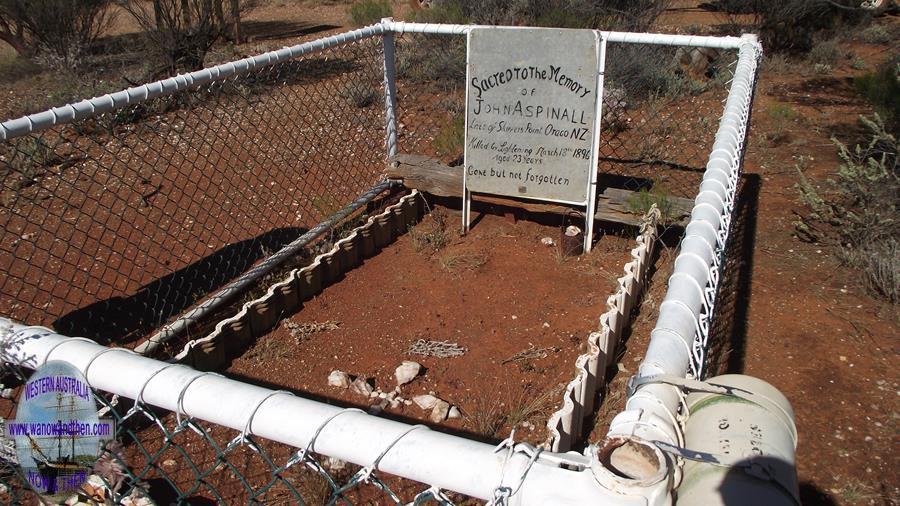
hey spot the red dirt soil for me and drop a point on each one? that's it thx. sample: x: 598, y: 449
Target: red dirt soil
x: 524, y: 294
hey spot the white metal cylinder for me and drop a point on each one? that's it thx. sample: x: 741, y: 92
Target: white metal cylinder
x: 759, y: 436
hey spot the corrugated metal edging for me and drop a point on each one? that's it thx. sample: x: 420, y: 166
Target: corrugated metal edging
x: 257, y: 317
x: 578, y: 398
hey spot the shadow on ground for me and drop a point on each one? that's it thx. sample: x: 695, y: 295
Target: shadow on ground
x: 123, y: 320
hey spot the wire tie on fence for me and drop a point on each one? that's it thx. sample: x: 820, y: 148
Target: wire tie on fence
x: 309, y: 446
x: 367, y: 471
x: 69, y: 340
x: 140, y: 396
x: 179, y: 405
x: 87, y: 367
x: 501, y: 493
x: 244, y: 436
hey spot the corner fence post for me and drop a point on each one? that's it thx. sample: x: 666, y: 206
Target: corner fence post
x: 390, y: 91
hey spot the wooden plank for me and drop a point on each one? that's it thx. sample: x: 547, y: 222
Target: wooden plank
x: 429, y: 175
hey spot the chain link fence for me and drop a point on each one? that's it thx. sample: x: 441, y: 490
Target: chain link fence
x: 661, y: 107
x: 162, y: 458
x: 116, y: 224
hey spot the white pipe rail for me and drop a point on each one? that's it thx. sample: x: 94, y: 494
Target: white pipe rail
x: 98, y: 105
x: 651, y: 412
x: 662, y: 39
x: 417, y: 453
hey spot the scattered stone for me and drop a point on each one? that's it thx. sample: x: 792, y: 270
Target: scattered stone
x: 381, y: 395
x: 362, y: 387
x: 546, y: 325
x: 407, y: 371
x: 334, y: 464
x: 621, y: 367
x: 395, y: 403
x: 425, y: 401
x: 373, y: 395
x: 548, y: 241
x: 407, y: 402
x: 169, y: 462
x: 454, y: 412
x: 440, y: 411
x: 339, y: 379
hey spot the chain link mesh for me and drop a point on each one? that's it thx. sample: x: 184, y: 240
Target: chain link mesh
x: 115, y: 224
x: 173, y: 459
x: 661, y: 109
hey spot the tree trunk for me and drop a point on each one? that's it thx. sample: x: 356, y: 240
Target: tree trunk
x: 17, y: 43
x: 236, y: 22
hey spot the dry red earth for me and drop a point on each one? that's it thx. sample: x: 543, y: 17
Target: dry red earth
x: 498, y: 292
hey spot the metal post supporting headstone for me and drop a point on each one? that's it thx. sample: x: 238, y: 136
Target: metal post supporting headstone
x: 390, y: 92
x: 595, y: 150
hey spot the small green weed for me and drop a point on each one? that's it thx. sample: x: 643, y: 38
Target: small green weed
x: 641, y: 202
x: 781, y: 116
x: 367, y: 12
x: 448, y: 143
x: 432, y: 234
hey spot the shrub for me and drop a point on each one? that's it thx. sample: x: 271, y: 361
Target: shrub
x: 882, y: 88
x: 360, y: 94
x: 641, y: 202
x: 448, y: 142
x: 367, y: 12
x: 432, y: 234
x: 780, y: 117
x: 629, y: 15
x: 826, y: 52
x: 875, y: 34
x: 858, y: 212
x: 59, y: 31
x: 789, y: 25
x: 181, y: 32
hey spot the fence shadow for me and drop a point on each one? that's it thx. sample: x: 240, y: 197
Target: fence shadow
x: 728, y: 333
x: 279, y: 29
x: 122, y: 320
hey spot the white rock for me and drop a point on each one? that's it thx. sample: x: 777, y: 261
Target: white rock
x: 440, y: 411
x: 382, y: 395
x: 395, y: 404
x: 334, y: 464
x: 425, y: 401
x: 547, y: 241
x: 339, y: 379
x: 407, y: 402
x: 361, y: 386
x: 407, y: 371
x: 454, y: 413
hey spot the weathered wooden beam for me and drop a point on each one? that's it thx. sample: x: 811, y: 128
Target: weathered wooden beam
x: 432, y: 176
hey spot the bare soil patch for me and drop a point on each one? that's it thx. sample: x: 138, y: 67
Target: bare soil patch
x: 519, y: 309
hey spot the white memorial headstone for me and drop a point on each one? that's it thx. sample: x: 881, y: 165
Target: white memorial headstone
x: 532, y: 114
